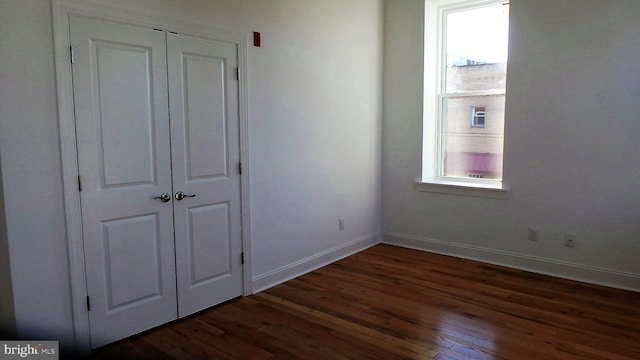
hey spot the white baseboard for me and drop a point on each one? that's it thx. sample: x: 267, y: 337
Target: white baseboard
x: 557, y: 268
x: 301, y: 267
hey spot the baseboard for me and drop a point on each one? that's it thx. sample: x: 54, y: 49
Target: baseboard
x: 301, y: 267
x: 557, y: 268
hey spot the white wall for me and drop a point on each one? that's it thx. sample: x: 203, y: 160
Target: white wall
x: 7, y: 320
x: 31, y: 170
x: 315, y: 95
x: 571, y: 151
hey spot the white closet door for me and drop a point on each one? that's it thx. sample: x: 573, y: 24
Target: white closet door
x: 120, y: 93
x: 203, y: 93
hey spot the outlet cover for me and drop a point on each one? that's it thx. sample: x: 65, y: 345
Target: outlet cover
x: 570, y: 240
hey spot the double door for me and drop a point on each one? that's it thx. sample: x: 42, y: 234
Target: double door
x: 158, y: 153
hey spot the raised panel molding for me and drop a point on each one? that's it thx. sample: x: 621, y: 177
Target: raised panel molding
x: 208, y: 263
x: 206, y: 146
x: 118, y: 168
x: 129, y: 268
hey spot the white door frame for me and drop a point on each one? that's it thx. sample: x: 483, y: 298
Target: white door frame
x: 62, y: 9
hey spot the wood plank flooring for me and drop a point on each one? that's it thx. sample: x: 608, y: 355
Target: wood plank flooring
x: 394, y: 303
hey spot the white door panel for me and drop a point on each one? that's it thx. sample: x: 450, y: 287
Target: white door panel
x: 124, y: 113
x: 203, y: 94
x: 155, y: 113
x: 204, y: 116
x: 122, y: 124
x: 211, y: 260
x: 130, y: 281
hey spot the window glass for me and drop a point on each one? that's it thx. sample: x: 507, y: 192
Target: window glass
x: 469, y: 150
x: 478, y: 115
x: 472, y: 97
x: 476, y: 37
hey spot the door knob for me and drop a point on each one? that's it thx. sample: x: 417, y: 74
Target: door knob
x: 164, y: 197
x: 180, y: 195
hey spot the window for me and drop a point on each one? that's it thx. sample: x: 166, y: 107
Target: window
x: 477, y: 116
x: 465, y: 75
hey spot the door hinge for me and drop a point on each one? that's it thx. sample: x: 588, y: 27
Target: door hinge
x: 79, y: 183
x: 72, y: 56
x: 242, y: 258
x: 88, y: 303
x: 240, y: 168
x: 238, y: 74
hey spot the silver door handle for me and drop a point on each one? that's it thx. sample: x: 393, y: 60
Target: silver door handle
x: 180, y: 195
x: 165, y: 197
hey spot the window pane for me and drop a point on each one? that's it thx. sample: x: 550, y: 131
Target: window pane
x: 477, y: 116
x: 476, y: 44
x: 476, y: 78
x: 472, y: 151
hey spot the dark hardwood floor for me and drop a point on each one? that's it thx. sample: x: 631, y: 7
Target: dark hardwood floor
x: 393, y: 303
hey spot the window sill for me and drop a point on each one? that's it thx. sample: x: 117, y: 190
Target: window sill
x: 463, y: 189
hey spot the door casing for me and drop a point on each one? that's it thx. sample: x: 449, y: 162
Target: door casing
x: 61, y: 10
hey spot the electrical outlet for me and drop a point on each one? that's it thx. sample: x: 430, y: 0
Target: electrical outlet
x: 570, y: 240
x: 533, y: 234
x: 341, y: 224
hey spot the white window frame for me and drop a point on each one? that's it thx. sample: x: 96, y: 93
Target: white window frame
x: 434, y: 92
